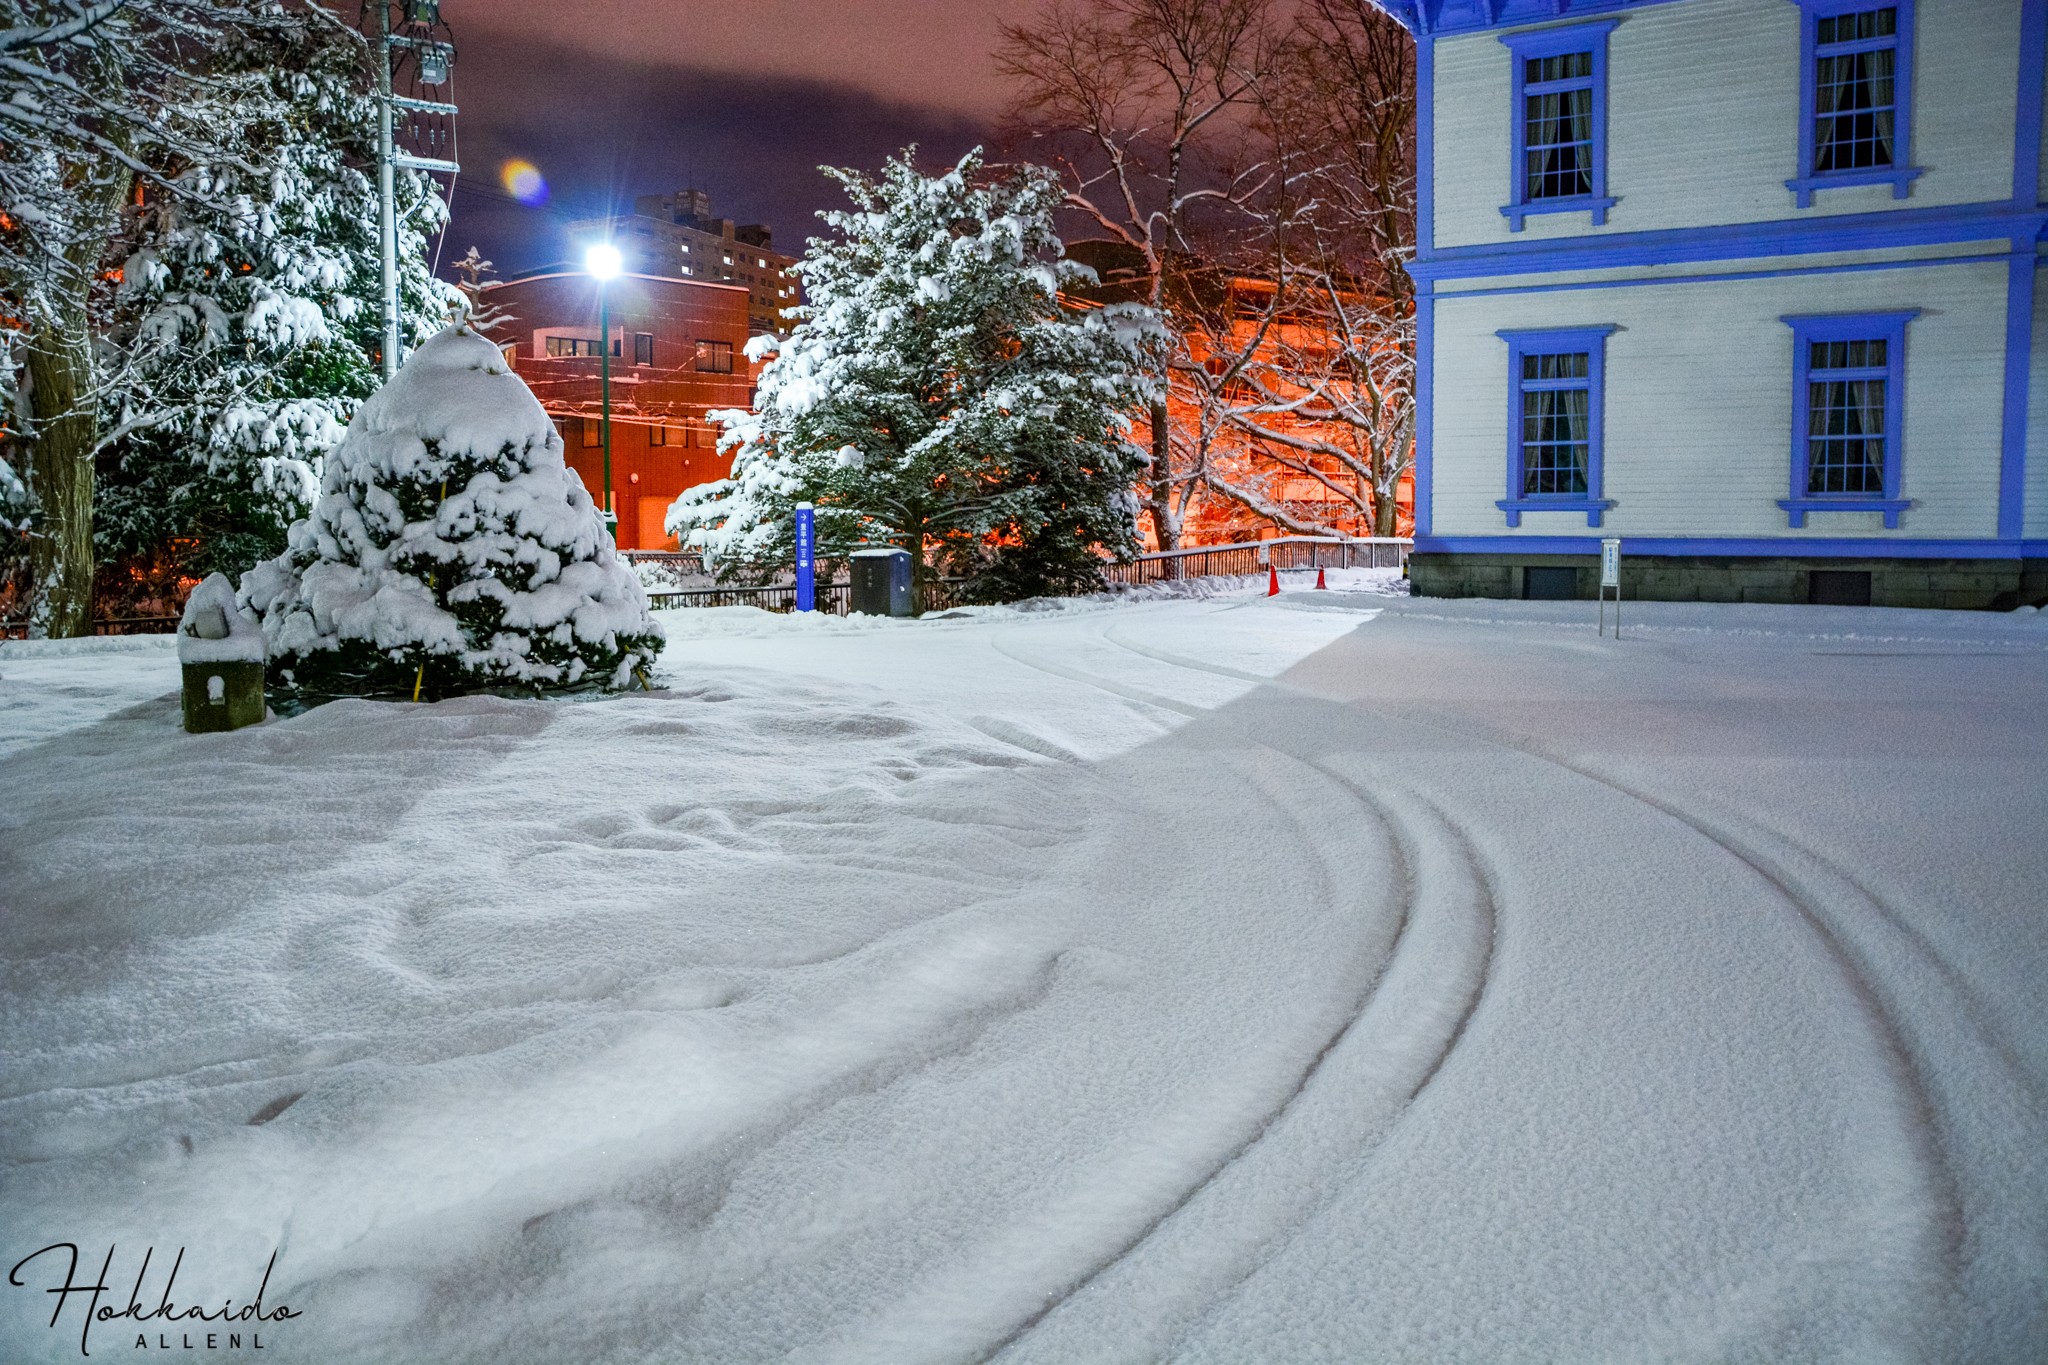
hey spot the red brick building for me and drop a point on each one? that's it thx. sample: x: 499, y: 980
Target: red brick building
x: 677, y: 353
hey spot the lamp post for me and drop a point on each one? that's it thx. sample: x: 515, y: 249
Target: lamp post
x: 602, y: 261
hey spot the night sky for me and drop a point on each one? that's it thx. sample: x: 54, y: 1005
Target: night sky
x: 614, y: 98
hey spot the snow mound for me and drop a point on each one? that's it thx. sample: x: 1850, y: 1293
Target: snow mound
x: 97, y: 644
x: 215, y: 630
x: 452, y: 547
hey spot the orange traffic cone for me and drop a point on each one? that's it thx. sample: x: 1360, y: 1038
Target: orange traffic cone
x: 1272, y: 580
x: 1319, y: 580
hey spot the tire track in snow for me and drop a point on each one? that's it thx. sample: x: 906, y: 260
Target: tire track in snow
x: 1407, y: 1019
x: 1931, y: 1276
x: 1934, y: 1249
x: 1848, y: 886
x: 1950, y: 979
x: 1373, y: 1074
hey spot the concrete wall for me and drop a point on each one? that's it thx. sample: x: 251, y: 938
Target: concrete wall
x: 1699, y: 403
x: 1957, y: 584
x: 1703, y: 120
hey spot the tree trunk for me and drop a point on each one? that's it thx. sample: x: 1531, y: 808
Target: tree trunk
x: 1384, y: 509
x: 63, y: 408
x: 60, y: 472
x: 1161, y: 501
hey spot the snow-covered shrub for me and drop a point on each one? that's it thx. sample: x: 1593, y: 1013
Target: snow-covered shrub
x: 937, y: 395
x: 451, y: 549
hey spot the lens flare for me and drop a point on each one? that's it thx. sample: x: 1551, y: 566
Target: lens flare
x: 524, y: 182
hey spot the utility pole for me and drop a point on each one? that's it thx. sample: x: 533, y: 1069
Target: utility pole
x: 432, y: 57
x: 387, y: 191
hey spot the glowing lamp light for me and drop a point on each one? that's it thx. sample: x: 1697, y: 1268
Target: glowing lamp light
x: 602, y: 261
x: 524, y: 182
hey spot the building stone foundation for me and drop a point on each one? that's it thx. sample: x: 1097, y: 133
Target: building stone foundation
x: 1953, y: 584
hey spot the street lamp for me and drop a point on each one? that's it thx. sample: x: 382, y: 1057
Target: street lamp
x: 602, y: 261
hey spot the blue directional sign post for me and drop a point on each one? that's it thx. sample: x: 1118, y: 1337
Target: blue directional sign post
x: 806, y: 558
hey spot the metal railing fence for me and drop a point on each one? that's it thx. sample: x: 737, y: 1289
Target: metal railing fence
x: 1204, y: 561
x: 1254, y: 556
x: 104, y: 625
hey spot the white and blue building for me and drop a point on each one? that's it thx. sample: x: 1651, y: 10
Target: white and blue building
x: 1750, y: 284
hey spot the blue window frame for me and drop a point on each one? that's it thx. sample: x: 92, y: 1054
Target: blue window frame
x: 1848, y: 414
x: 1559, y: 119
x: 1855, y: 96
x: 1556, y: 402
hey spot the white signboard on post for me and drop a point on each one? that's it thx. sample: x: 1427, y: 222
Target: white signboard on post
x: 1610, y: 577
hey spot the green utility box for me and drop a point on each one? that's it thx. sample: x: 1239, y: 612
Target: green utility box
x: 223, y: 696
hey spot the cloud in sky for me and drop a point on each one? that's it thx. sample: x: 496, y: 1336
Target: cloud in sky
x: 614, y: 98
x: 930, y: 53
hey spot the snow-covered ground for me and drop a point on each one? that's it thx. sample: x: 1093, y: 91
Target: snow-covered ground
x: 1328, y: 977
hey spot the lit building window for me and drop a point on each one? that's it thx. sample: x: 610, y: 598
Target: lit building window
x: 714, y: 357
x: 1848, y: 414
x: 572, y: 346
x: 1555, y: 402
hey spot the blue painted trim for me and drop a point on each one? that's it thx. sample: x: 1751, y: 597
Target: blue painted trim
x: 1816, y: 547
x: 1554, y: 42
x: 2019, y: 364
x: 1557, y: 335
x: 1735, y: 241
x: 1516, y: 213
x: 1594, y: 508
x: 1425, y: 407
x: 1425, y: 150
x: 1639, y: 280
x: 1900, y: 180
x: 2026, y: 152
x: 1592, y: 340
x: 1901, y: 173
x: 1799, y: 507
x: 1425, y: 18
x: 1850, y: 327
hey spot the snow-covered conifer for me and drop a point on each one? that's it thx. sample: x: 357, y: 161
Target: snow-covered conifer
x: 937, y: 395
x: 13, y: 500
x: 247, y: 318
x: 451, y: 549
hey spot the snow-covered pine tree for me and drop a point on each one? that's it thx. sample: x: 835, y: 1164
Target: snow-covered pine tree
x: 14, y: 525
x: 451, y: 550
x: 935, y: 394
x: 248, y: 315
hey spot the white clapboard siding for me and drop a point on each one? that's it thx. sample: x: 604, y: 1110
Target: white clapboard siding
x: 1699, y: 403
x: 2037, y: 417
x: 1703, y: 108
